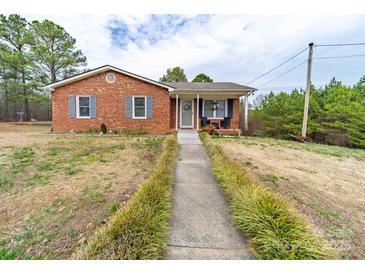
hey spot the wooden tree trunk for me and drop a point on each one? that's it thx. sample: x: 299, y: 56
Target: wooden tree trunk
x: 26, y: 101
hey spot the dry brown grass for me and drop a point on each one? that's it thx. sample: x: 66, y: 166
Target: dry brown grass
x: 325, y: 183
x: 51, y: 204
x: 21, y: 135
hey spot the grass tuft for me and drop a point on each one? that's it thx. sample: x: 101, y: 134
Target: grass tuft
x: 140, y: 229
x: 277, y: 229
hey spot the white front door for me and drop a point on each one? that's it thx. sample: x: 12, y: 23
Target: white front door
x: 186, y: 113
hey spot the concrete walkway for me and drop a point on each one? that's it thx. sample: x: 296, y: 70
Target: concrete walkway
x: 201, y: 223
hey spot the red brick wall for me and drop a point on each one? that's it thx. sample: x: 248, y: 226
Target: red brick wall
x: 236, y: 114
x: 110, y: 104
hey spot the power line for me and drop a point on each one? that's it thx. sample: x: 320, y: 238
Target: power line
x: 293, y: 68
x: 341, y: 45
x: 341, y: 56
x: 274, y: 68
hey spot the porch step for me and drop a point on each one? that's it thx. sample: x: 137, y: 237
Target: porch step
x: 188, y: 137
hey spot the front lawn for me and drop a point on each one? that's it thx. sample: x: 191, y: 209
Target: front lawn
x: 140, y: 229
x: 276, y: 228
x: 56, y: 191
x: 325, y: 183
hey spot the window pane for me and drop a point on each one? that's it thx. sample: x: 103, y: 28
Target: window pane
x: 139, y: 102
x: 84, y: 101
x: 139, y: 112
x: 208, y: 108
x: 221, y: 107
x: 139, y: 107
x: 84, y: 111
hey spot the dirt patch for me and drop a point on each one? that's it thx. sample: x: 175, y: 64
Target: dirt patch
x: 329, y: 189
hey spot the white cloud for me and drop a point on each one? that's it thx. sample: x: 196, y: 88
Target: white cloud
x: 227, y: 47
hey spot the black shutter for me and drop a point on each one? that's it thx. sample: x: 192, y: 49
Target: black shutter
x: 230, y: 108
x: 200, y: 108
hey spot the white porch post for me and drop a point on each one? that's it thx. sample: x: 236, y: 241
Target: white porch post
x: 177, y: 111
x: 246, y: 112
x: 197, y: 112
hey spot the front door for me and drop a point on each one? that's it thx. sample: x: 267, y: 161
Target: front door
x: 186, y: 113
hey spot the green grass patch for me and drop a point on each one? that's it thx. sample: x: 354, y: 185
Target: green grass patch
x: 7, y: 254
x: 22, y: 157
x: 277, y: 229
x: 113, y: 207
x: 140, y: 229
x: 324, y: 212
x: 93, y: 195
x: 270, y: 178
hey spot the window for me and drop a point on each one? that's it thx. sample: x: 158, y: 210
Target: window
x: 110, y: 78
x: 139, y: 107
x: 208, y: 108
x: 221, y: 109
x: 215, y: 108
x: 83, y: 106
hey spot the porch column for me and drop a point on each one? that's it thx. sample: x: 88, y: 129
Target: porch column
x: 177, y: 111
x: 246, y: 112
x: 197, y: 112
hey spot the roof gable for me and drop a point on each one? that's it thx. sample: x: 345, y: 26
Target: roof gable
x: 98, y: 70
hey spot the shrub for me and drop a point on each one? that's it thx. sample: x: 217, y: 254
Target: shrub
x: 103, y: 128
x: 140, y: 229
x: 254, y: 126
x: 133, y: 131
x: 277, y: 229
x: 92, y: 131
x: 209, y: 129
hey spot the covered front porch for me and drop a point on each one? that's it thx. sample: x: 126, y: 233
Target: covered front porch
x: 201, y: 110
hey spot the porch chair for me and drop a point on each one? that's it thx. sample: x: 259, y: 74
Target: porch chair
x: 204, y: 122
x: 226, y: 123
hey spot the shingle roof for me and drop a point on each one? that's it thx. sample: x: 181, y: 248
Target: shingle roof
x: 207, y: 86
x: 99, y: 70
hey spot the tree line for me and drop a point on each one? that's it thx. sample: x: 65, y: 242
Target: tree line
x: 33, y: 54
x: 336, y: 114
x: 177, y: 74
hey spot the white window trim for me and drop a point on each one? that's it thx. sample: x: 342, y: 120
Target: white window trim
x: 214, y: 111
x: 145, y: 107
x: 78, y: 109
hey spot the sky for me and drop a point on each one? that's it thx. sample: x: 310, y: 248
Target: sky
x: 235, y: 48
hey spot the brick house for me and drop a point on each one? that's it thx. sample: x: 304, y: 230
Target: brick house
x: 121, y: 99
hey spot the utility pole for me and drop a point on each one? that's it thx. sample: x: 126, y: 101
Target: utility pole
x: 307, y: 91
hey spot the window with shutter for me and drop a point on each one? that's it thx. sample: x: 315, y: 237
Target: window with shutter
x: 83, y: 106
x: 139, y: 107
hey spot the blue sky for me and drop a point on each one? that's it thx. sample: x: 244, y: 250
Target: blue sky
x: 226, y: 47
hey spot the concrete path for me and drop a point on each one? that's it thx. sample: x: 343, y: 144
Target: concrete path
x: 201, y: 222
